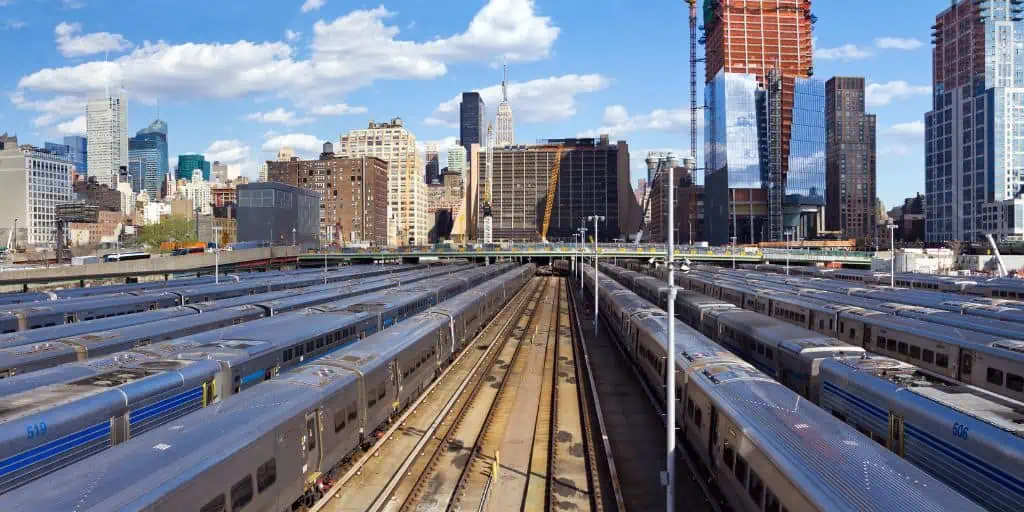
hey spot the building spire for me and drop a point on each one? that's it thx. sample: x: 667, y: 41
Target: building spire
x: 504, y: 84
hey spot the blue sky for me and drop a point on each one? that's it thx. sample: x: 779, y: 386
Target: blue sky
x: 235, y: 79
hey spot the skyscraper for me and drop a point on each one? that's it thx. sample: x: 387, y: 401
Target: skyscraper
x: 457, y: 160
x: 472, y: 126
x: 107, y: 129
x: 974, y: 155
x: 78, y: 150
x: 765, y: 127
x: 189, y: 163
x: 407, y: 193
x: 505, y: 134
x: 850, y: 155
x: 149, y: 148
x: 433, y: 174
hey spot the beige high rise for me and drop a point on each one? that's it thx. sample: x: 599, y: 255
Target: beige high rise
x: 407, y: 192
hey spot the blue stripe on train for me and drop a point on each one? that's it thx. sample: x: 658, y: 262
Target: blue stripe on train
x: 61, y: 445
x: 164, y: 405
x: 991, y: 472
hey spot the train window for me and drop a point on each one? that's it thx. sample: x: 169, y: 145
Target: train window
x: 880, y: 342
x: 821, y: 325
x: 339, y: 420
x: 241, y: 493
x: 287, y: 355
x: 994, y: 376
x: 927, y: 356
x: 915, y: 352
x: 756, y: 488
x: 741, y: 470
x: 771, y: 502
x: 352, y: 411
x: 1014, y: 382
x: 903, y: 348
x: 890, y: 345
x: 839, y: 415
x: 760, y: 349
x: 698, y: 417
x: 729, y: 456
x: 311, y: 433
x: 853, y: 333
x: 689, y: 408
x: 381, y: 392
x: 218, y: 504
x: 309, y: 346
x: 769, y: 353
x: 299, y: 351
x: 942, y: 360
x: 266, y: 475
x: 967, y: 364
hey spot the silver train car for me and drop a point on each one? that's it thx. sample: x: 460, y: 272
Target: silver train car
x: 234, y: 359
x: 763, y: 448
x: 273, y: 449
x: 970, y: 439
x: 21, y: 359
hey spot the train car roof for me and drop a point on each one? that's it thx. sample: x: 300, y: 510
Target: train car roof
x: 1001, y: 412
x: 840, y: 468
x: 928, y: 329
x: 134, y: 475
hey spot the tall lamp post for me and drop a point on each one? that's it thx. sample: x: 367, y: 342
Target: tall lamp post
x: 595, y: 218
x: 670, y: 393
x: 293, y: 236
x: 216, y: 254
x: 583, y: 240
x: 892, y: 253
x: 733, y: 251
x: 787, y: 235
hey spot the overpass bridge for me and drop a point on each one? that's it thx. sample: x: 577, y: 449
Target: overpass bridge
x: 563, y: 251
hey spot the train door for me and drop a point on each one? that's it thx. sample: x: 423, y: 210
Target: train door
x: 713, y: 437
x: 396, y: 382
x: 896, y: 434
x: 966, y: 367
x: 311, y: 445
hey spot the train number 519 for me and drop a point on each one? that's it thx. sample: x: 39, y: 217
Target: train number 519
x: 960, y: 430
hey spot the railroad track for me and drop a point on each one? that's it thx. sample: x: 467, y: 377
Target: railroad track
x: 373, y: 481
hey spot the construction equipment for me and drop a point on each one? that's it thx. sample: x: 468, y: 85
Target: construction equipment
x: 552, y: 189
x: 1000, y: 268
x: 488, y: 218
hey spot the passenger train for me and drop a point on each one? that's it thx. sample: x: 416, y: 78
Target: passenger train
x: 764, y: 447
x: 243, y: 356
x: 919, y: 415
x: 973, y: 352
x: 27, y: 357
x: 278, y: 447
x: 66, y: 311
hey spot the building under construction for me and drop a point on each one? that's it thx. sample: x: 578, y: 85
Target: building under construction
x: 592, y: 179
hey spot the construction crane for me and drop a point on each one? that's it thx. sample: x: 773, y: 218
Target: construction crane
x: 488, y: 218
x: 552, y: 189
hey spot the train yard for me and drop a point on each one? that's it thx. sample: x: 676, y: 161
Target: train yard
x: 492, y: 387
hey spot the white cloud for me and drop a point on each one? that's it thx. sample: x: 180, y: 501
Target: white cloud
x: 53, y: 109
x: 898, y: 43
x: 350, y: 52
x: 880, y: 95
x: 845, y: 52
x: 72, y: 4
x: 313, y: 5
x: 337, y: 109
x: 616, y: 121
x: 75, y: 126
x: 292, y: 35
x: 13, y: 25
x: 279, y: 116
x: 902, y: 139
x: 228, y: 151
x: 303, y: 143
x: 537, y: 101
x: 72, y: 44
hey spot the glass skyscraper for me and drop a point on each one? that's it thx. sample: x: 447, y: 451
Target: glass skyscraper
x: 472, y: 126
x: 805, y: 181
x: 74, y: 147
x: 974, y: 134
x: 148, y: 151
x: 188, y: 164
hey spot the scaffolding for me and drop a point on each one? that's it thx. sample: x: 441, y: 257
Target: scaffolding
x: 773, y: 141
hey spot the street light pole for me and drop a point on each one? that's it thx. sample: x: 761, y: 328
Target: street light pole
x: 788, y: 235
x: 670, y: 393
x: 216, y: 254
x: 595, y: 218
x: 293, y: 236
x: 583, y: 241
x: 892, y: 253
x: 733, y: 252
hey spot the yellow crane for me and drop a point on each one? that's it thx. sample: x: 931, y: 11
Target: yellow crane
x: 552, y: 188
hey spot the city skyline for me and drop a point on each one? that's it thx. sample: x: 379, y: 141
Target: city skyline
x: 564, y: 81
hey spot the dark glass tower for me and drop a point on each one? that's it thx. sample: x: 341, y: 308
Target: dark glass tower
x: 472, y: 128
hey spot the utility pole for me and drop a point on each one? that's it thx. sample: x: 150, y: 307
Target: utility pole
x: 583, y: 243
x: 216, y: 254
x: 670, y: 393
x: 892, y: 253
x: 595, y: 218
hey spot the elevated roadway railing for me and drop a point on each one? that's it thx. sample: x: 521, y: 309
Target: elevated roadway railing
x: 647, y: 251
x: 156, y: 265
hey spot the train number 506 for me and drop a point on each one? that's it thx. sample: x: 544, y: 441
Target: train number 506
x: 960, y: 430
